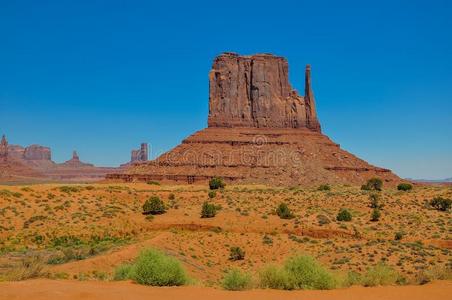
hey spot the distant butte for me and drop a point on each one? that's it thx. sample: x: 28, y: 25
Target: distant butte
x: 260, y: 130
x: 34, y: 163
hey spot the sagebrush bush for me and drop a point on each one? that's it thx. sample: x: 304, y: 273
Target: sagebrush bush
x: 375, y: 216
x: 212, y: 194
x: 283, y: 211
x: 216, y: 183
x: 373, y: 184
x: 152, y: 267
x: 398, y: 236
x: 123, y: 272
x: 30, y: 267
x: 236, y: 280
x: 375, y: 200
x: 344, y: 215
x: 380, y: 274
x: 236, y: 253
x: 404, y: 187
x: 274, y: 277
x: 208, y: 210
x: 154, y: 206
x: 441, y: 204
x: 434, y: 273
x: 324, y: 187
x: 306, y: 273
x: 298, y: 272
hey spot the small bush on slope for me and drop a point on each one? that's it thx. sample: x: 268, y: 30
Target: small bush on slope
x: 375, y: 216
x: 344, y: 215
x: 236, y: 253
x: 152, y: 267
x: 153, y: 206
x: 284, y: 212
x: 123, y: 272
x: 298, y: 272
x: 208, y: 210
x: 441, y: 204
x: 324, y: 187
x: 380, y: 274
x: 29, y: 268
x: 373, y: 184
x: 404, y: 187
x: 236, y: 280
x: 216, y: 183
x: 274, y: 277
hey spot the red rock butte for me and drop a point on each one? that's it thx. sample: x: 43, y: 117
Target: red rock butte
x: 260, y: 130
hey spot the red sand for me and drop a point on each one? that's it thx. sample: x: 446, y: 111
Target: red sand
x: 65, y: 289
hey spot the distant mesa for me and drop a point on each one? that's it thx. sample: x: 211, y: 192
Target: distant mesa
x: 34, y: 163
x: 260, y: 130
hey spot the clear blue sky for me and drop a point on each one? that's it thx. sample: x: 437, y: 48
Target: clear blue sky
x: 102, y: 76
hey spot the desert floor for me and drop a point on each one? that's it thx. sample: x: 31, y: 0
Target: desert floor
x: 84, y: 232
x: 76, y: 290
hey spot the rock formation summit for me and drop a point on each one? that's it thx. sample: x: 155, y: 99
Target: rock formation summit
x: 260, y: 130
x: 254, y: 91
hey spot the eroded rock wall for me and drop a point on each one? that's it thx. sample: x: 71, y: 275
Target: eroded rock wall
x: 254, y: 91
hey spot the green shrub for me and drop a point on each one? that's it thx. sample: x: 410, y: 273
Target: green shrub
x: 352, y: 278
x: 236, y: 253
x: 154, y: 268
x: 380, y: 274
x: 298, y: 272
x: 398, y: 236
x: 324, y: 187
x: 404, y: 187
x: 153, y: 183
x: 212, y: 194
x: 216, y: 183
x: 441, y: 204
x: 153, y: 206
x: 68, y: 189
x: 373, y: 184
x: 306, y: 273
x: 375, y: 200
x: 344, y: 215
x: 267, y: 240
x: 208, y: 210
x: 283, y: 211
x: 375, y: 216
x: 236, y: 280
x: 123, y: 272
x: 434, y: 273
x: 274, y: 277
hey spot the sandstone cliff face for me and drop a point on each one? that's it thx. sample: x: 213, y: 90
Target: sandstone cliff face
x: 254, y: 91
x: 37, y: 152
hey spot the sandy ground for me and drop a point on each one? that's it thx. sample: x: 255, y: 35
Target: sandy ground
x: 67, y: 289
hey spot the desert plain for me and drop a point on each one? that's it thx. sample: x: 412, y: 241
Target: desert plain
x: 80, y: 234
